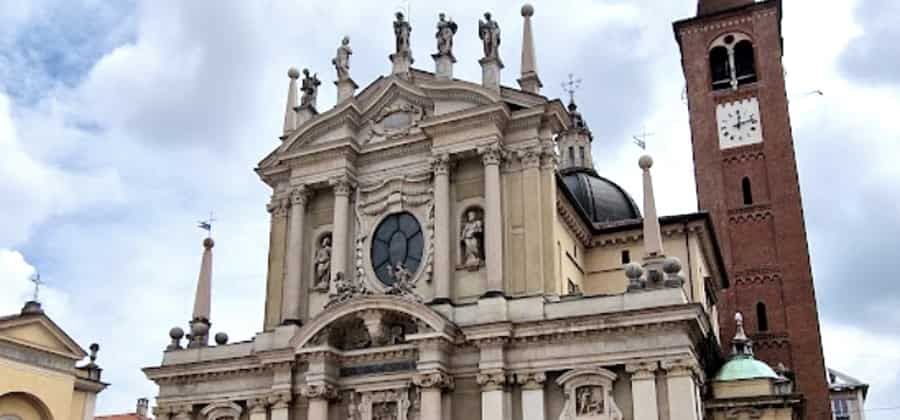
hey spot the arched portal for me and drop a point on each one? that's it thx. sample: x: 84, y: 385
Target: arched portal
x: 23, y: 406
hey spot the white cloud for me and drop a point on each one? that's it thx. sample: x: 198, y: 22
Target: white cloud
x: 15, y: 275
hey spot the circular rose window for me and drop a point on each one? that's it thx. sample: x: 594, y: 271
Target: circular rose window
x: 397, y: 248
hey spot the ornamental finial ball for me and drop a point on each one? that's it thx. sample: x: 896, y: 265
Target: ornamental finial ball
x: 199, y: 329
x: 221, y: 338
x: 633, y: 270
x: 527, y: 10
x: 645, y: 162
x: 293, y: 73
x: 672, y: 265
x: 208, y: 243
x: 176, y: 333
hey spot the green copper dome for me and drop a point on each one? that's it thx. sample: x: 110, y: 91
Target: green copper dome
x: 743, y: 368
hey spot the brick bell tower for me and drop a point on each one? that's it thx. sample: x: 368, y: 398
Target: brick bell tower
x: 746, y: 176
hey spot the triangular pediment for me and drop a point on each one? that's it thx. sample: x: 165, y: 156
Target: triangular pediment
x: 40, y: 333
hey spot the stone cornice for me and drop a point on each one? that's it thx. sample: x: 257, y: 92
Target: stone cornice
x: 496, y: 114
x: 697, y: 26
x: 205, y: 370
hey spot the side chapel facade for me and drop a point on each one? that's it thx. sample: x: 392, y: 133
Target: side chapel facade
x: 443, y: 249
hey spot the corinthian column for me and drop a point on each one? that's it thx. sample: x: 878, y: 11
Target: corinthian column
x: 532, y: 395
x: 493, y: 221
x: 340, y: 236
x: 257, y: 407
x: 280, y: 406
x: 290, y: 311
x: 643, y: 390
x: 442, y: 266
x: 432, y: 385
x: 495, y: 403
x: 318, y: 396
x: 682, y: 389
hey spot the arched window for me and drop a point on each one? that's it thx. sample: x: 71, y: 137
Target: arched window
x: 744, y: 62
x: 572, y: 154
x: 762, y: 318
x: 581, y: 155
x: 748, y: 191
x: 720, y: 68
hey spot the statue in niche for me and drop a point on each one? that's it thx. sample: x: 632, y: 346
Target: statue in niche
x: 446, y: 29
x: 402, y: 30
x: 489, y: 32
x: 395, y: 335
x: 589, y: 401
x: 310, y: 89
x: 323, y: 264
x: 472, y: 237
x: 341, y: 59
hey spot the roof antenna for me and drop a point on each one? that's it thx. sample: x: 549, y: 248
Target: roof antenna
x: 207, y: 224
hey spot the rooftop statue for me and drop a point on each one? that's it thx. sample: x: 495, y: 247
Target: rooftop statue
x: 446, y: 29
x: 402, y: 29
x: 489, y: 32
x: 341, y: 60
x: 310, y: 89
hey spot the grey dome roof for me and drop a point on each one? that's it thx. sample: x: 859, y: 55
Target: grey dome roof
x: 602, y: 200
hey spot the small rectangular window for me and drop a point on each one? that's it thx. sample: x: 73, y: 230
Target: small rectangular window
x: 581, y: 154
x: 626, y: 257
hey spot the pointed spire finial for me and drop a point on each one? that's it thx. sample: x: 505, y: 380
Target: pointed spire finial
x: 529, y: 80
x: 652, y: 238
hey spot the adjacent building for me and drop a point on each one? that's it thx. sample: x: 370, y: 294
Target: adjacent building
x: 40, y: 378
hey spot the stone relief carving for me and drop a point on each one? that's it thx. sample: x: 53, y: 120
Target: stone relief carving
x: 345, y: 289
x: 472, y: 240
x: 394, y: 121
x: 589, y: 395
x: 391, y: 404
x: 323, y: 264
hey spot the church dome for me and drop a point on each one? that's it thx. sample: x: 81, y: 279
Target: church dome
x: 601, y: 200
x: 744, y: 368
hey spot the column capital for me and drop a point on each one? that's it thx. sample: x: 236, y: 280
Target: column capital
x: 440, y: 164
x: 491, y: 155
x: 549, y: 157
x: 257, y: 405
x: 437, y: 379
x: 492, y: 381
x: 342, y: 185
x: 300, y: 195
x: 278, y: 207
x: 318, y: 391
x: 530, y: 157
x: 531, y: 380
x: 642, y: 370
x: 681, y: 367
x: 280, y: 399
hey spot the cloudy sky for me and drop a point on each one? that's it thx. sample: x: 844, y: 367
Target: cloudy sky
x: 123, y: 123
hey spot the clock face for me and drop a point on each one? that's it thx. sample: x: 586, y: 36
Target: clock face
x: 739, y: 123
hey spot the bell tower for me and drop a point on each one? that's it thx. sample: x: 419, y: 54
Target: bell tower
x: 746, y: 176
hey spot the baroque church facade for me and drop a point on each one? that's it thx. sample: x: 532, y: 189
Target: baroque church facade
x: 445, y: 249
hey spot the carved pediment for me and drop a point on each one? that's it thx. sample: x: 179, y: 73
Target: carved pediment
x: 397, y: 120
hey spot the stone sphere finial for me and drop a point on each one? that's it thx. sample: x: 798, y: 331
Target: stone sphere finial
x: 176, y: 333
x: 221, y: 338
x: 208, y: 243
x: 527, y: 10
x: 645, y: 162
x: 672, y: 265
x: 199, y: 329
x: 293, y: 73
x: 633, y: 270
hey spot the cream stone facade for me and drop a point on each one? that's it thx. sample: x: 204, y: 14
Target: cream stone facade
x: 39, y: 379
x: 432, y: 257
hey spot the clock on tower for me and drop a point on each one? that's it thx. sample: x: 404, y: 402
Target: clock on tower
x: 746, y: 177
